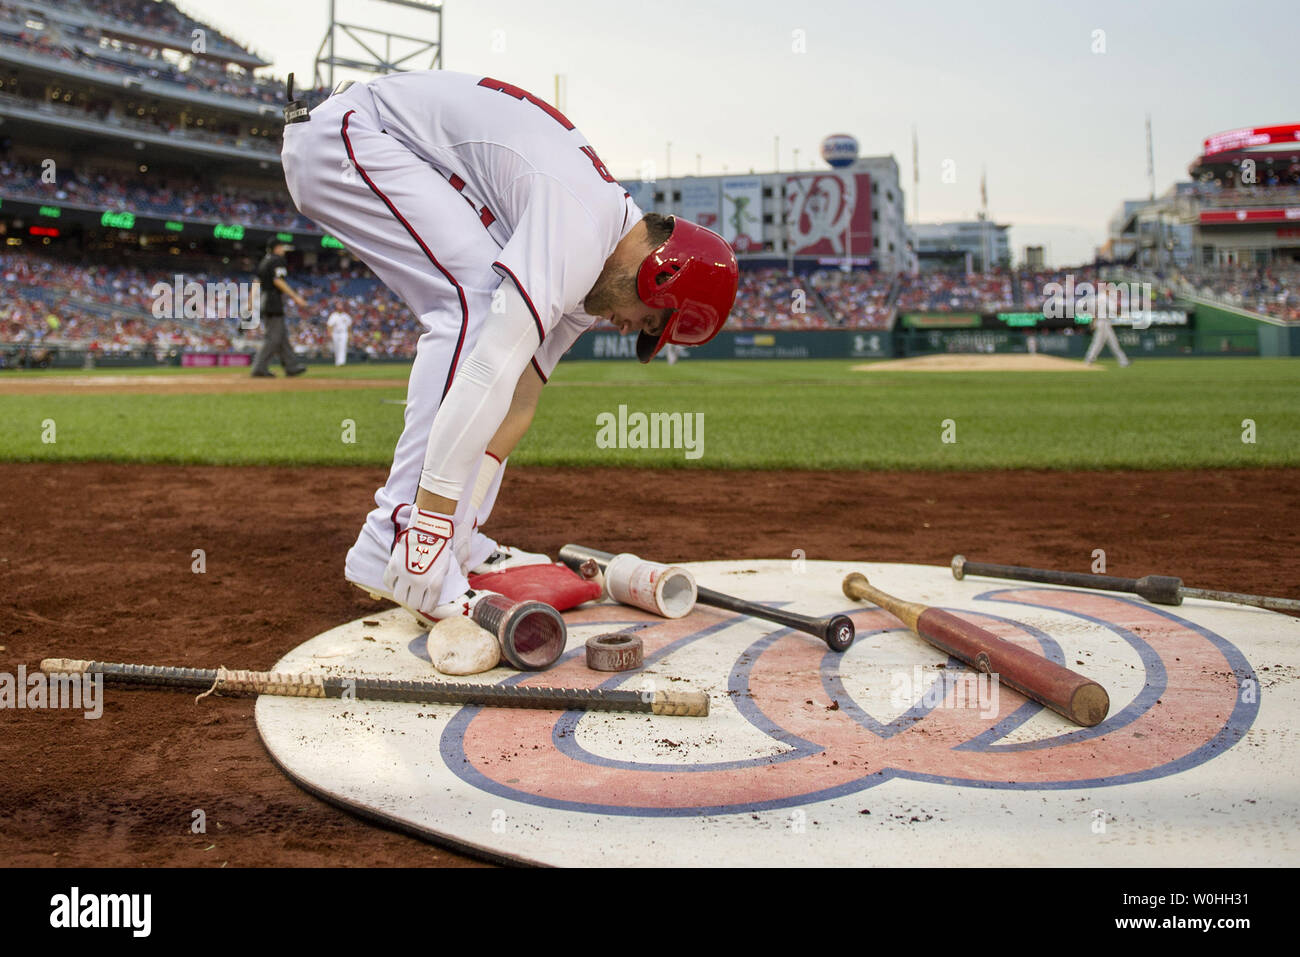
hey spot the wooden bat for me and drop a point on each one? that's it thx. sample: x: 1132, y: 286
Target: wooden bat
x: 688, y: 704
x: 836, y: 630
x: 1067, y: 693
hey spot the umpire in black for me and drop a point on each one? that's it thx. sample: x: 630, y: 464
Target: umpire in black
x: 270, y: 275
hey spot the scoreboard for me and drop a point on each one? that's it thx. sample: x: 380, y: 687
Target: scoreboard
x: 44, y: 219
x: 1027, y: 321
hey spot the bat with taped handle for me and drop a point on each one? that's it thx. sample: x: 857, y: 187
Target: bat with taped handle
x: 688, y: 704
x: 1160, y: 589
x: 836, y: 630
x: 1066, y: 692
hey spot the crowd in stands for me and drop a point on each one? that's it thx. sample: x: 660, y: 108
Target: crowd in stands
x: 771, y: 298
x: 160, y: 17
x: 92, y: 107
x: 88, y: 48
x: 1271, y: 290
x: 51, y: 301
x: 949, y: 292
x: 1266, y: 174
x: 54, y: 302
x: 162, y: 195
x: 857, y: 300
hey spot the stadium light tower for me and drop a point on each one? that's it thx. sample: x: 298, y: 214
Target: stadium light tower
x: 369, y: 59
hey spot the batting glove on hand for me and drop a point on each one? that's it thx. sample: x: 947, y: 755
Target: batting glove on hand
x: 420, y: 561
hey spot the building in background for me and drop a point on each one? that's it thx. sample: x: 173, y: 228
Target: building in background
x: 851, y: 215
x: 974, y: 246
x: 1241, y: 207
x: 1034, y: 257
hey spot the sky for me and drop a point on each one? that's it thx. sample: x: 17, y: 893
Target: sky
x: 1049, y: 98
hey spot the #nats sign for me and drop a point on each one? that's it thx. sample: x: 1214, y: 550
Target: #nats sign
x: 890, y: 754
x: 827, y: 211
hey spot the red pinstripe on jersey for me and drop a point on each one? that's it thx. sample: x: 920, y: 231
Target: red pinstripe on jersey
x: 392, y: 208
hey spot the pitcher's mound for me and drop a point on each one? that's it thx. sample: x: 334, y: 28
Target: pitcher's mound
x: 1010, y: 362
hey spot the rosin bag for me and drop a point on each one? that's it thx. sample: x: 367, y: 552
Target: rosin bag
x: 556, y: 585
x: 667, y: 590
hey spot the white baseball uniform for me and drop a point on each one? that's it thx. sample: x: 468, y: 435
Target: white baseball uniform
x: 1103, y: 334
x: 338, y: 324
x: 476, y: 203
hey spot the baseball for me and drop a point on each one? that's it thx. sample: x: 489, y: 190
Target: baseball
x: 458, y: 646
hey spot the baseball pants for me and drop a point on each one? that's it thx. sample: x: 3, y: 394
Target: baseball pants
x: 1104, y: 335
x: 426, y: 244
x: 275, y: 345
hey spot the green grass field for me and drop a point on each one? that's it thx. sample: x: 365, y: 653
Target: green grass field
x: 1157, y: 414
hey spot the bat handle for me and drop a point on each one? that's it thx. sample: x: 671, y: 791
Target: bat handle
x: 858, y: 588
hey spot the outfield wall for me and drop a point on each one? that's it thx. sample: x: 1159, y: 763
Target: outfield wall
x: 1275, y: 339
x: 1217, y: 331
x: 900, y: 343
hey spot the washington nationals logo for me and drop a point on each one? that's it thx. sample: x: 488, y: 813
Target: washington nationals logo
x: 820, y: 208
x: 805, y: 736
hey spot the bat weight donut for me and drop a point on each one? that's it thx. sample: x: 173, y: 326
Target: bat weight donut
x: 614, y: 652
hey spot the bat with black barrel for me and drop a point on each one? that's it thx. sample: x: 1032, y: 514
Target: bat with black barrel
x: 836, y: 630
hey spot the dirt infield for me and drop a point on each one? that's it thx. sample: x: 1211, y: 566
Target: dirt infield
x: 96, y: 561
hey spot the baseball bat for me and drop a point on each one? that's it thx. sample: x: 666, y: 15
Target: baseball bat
x: 1159, y: 589
x: 690, y: 704
x: 1066, y: 692
x: 531, y: 634
x: 836, y: 630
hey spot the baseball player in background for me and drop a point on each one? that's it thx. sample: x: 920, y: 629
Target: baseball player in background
x: 339, y: 323
x: 494, y: 220
x: 271, y: 277
x: 1103, y: 334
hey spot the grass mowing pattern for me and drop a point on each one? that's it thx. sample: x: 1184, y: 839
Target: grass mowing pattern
x: 1168, y: 413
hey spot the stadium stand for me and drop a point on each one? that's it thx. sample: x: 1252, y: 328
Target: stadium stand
x: 1271, y: 290
x: 182, y: 197
x: 112, y: 95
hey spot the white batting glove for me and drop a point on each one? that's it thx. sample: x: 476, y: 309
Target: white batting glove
x: 420, y: 560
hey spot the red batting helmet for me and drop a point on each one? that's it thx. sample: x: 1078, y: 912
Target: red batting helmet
x: 694, y: 274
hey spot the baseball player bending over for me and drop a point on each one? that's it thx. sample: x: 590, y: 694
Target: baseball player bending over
x: 493, y: 219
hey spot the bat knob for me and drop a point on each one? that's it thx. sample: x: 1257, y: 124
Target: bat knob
x: 958, y: 567
x: 840, y: 633
x: 853, y: 583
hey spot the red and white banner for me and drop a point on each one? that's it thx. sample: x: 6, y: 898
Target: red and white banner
x: 1256, y: 214
x: 829, y: 213
x: 1251, y: 136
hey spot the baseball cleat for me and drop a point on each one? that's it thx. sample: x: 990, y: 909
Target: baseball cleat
x: 504, y: 556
